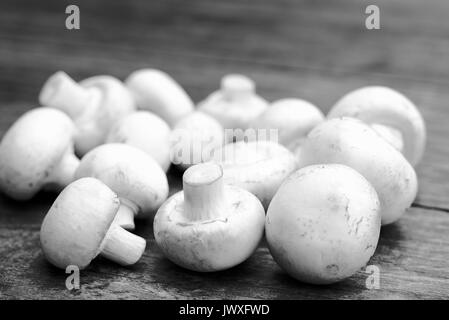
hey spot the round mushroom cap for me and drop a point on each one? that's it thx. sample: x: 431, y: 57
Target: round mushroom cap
x: 31, y: 149
x: 74, y: 228
x: 129, y: 172
x: 323, y: 224
x: 294, y: 118
x: 115, y: 102
x: 388, y: 107
x: 210, y: 245
x: 145, y: 131
x: 235, y: 104
x: 194, y: 138
x: 257, y: 166
x: 351, y: 142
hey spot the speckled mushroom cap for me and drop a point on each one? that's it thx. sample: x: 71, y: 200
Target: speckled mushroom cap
x: 258, y: 166
x: 30, y: 150
x: 129, y: 172
x: 73, y: 230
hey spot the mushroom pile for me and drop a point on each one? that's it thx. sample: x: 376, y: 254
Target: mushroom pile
x: 319, y: 187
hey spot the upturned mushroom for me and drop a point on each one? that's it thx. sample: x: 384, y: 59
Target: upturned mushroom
x: 79, y: 227
x: 323, y: 224
x: 94, y: 104
x: 37, y: 153
x: 293, y: 118
x: 385, y: 108
x: 194, y: 138
x: 155, y: 91
x: 235, y: 105
x: 351, y: 142
x: 209, y: 226
x: 146, y: 131
x: 256, y: 166
x: 133, y: 175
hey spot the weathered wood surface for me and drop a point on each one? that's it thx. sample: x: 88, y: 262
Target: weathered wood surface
x: 317, y: 50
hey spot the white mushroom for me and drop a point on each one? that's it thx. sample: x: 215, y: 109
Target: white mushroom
x: 194, y: 138
x: 257, y: 166
x: 94, y: 104
x: 78, y: 227
x: 209, y: 226
x: 391, y: 109
x: 132, y: 174
x: 293, y: 118
x: 146, y: 131
x: 323, y: 224
x: 350, y: 142
x: 155, y: 91
x: 36, y: 153
x: 235, y: 105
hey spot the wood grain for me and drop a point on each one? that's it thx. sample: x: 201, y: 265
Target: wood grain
x: 316, y: 50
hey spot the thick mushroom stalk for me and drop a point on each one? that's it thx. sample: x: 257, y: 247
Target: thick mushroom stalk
x: 209, y: 226
x: 127, y: 212
x: 79, y: 227
x: 236, y: 86
x: 387, y: 107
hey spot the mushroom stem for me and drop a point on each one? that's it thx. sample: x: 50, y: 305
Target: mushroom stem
x: 64, y: 173
x: 122, y: 246
x: 62, y: 92
x: 235, y: 86
x: 204, y: 194
x: 126, y: 213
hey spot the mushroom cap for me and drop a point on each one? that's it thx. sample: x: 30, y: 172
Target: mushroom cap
x: 73, y: 230
x: 31, y: 149
x: 114, y: 103
x: 323, y: 224
x: 294, y: 118
x: 215, y: 244
x: 351, y: 142
x: 129, y: 172
x: 388, y: 107
x: 258, y: 166
x: 155, y: 91
x: 145, y: 131
x: 235, y: 104
x: 194, y: 138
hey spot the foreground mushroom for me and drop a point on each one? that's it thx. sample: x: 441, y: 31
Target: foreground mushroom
x: 94, y: 104
x: 389, y: 109
x: 155, y: 91
x: 257, y: 166
x: 323, y: 224
x: 133, y: 175
x: 146, y: 131
x: 293, y: 118
x: 194, y: 138
x: 235, y: 105
x: 209, y: 226
x: 79, y: 226
x: 37, y: 153
x: 350, y: 142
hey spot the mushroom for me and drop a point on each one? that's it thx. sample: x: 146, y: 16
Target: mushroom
x: 351, y: 142
x: 323, y: 224
x: 36, y: 153
x: 235, y: 105
x: 146, y: 131
x: 94, y: 104
x: 132, y: 174
x: 391, y: 109
x: 194, y: 138
x: 209, y: 226
x: 155, y: 91
x: 293, y: 118
x: 256, y: 166
x: 79, y: 226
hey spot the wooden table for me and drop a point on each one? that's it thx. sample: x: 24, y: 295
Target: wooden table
x: 316, y: 50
